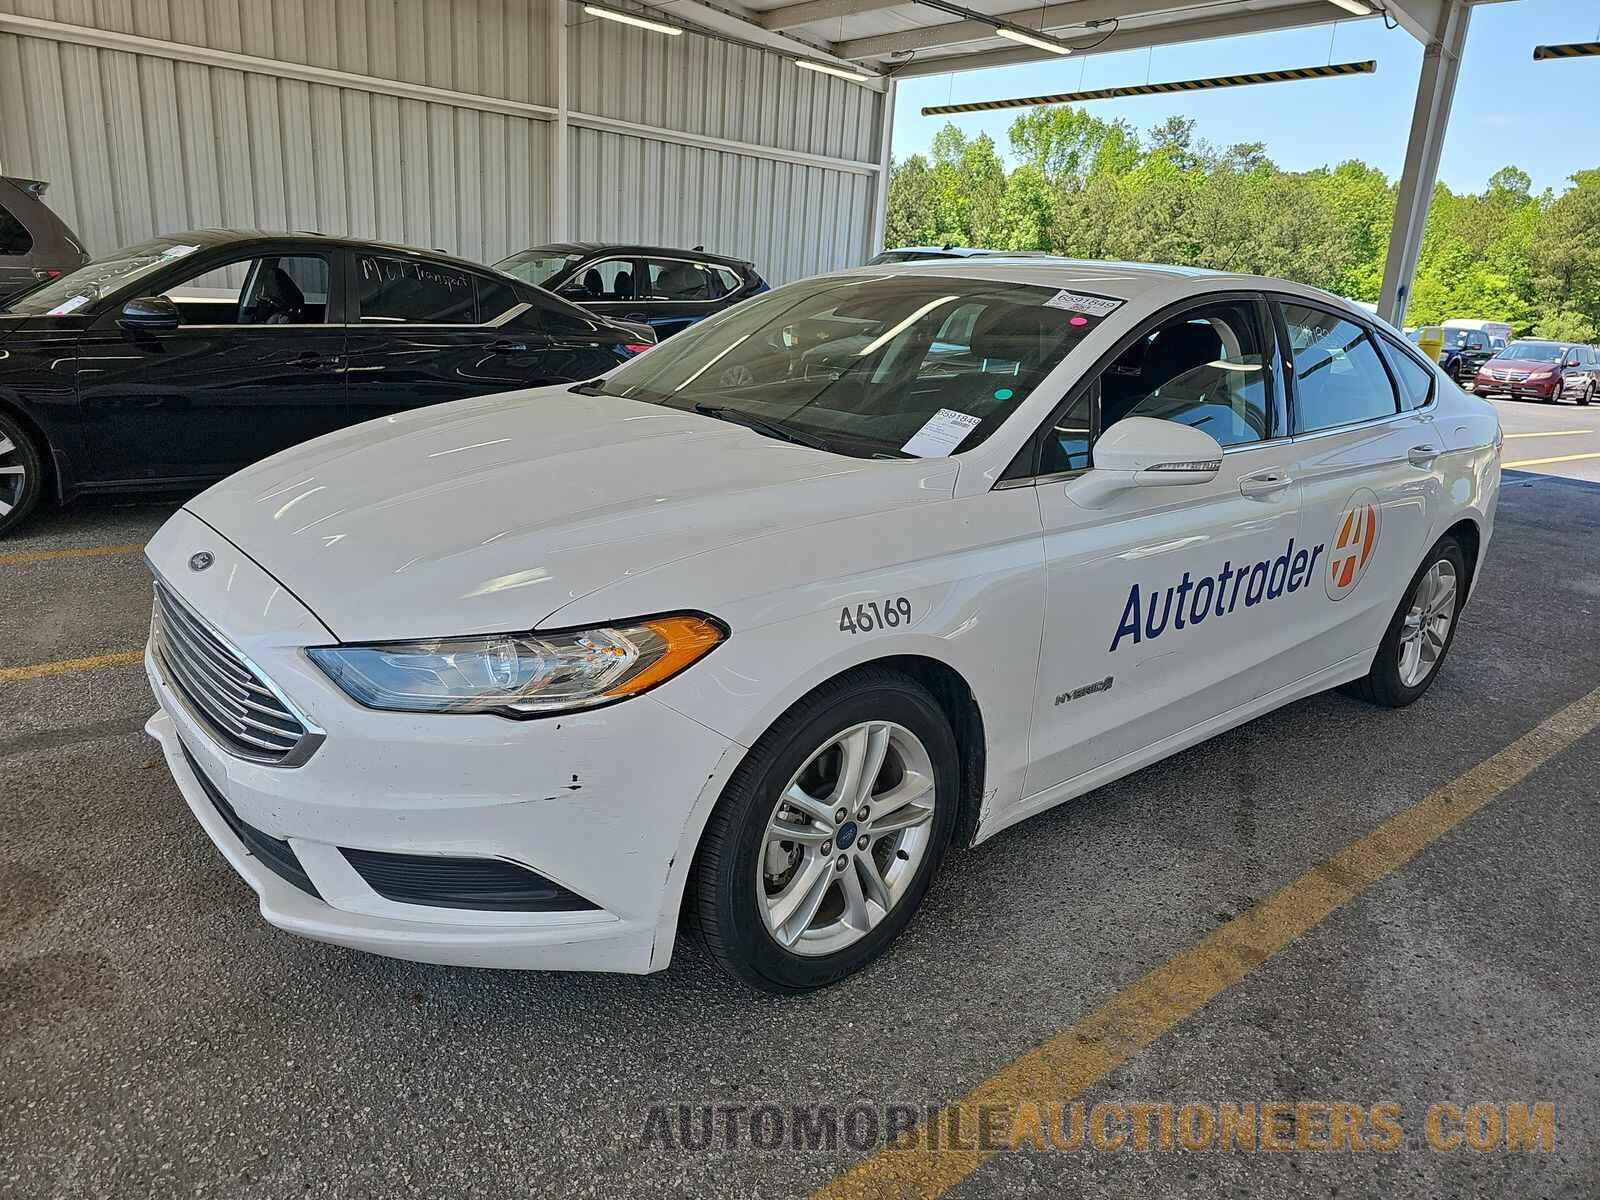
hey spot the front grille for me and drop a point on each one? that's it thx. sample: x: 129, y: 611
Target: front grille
x: 221, y: 689
x: 490, y: 884
x: 274, y: 853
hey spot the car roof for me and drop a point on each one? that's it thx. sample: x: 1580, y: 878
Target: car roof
x: 1124, y: 280
x: 588, y: 249
x: 211, y: 238
x: 965, y: 252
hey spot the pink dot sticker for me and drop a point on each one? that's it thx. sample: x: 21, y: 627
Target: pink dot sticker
x: 1078, y: 321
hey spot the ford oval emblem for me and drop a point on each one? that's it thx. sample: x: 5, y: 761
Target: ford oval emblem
x: 200, y: 561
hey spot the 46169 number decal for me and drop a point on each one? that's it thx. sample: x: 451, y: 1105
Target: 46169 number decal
x: 864, y: 618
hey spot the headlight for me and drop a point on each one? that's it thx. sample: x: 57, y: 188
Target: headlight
x: 521, y: 675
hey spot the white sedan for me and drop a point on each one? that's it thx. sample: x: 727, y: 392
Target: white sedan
x: 762, y: 623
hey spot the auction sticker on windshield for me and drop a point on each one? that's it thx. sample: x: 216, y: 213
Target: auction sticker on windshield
x: 941, y: 434
x: 1094, y: 306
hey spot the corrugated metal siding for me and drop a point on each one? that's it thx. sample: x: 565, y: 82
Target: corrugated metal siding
x: 702, y: 86
x: 488, y: 47
x: 135, y: 145
x: 789, y: 219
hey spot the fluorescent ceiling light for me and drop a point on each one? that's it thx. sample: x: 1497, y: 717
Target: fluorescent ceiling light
x: 808, y: 64
x: 611, y: 14
x: 1359, y: 8
x: 1028, y: 39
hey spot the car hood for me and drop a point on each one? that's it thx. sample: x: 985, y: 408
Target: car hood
x: 488, y: 515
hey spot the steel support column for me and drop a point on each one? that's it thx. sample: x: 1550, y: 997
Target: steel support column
x: 1430, y: 119
x: 880, y: 199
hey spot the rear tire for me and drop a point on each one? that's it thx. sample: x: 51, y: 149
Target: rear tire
x: 21, y: 473
x: 1587, y: 395
x: 791, y: 915
x: 1421, y: 632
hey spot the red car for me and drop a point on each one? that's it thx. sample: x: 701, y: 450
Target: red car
x: 1545, y: 371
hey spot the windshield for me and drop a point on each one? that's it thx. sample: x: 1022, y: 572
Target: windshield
x: 100, y: 277
x: 536, y: 266
x: 1534, y: 352
x: 871, y: 366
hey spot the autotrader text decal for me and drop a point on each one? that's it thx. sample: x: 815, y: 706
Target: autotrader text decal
x: 1191, y: 601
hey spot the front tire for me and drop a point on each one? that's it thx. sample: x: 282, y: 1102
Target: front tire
x: 1586, y: 395
x: 790, y: 895
x: 21, y: 473
x: 1423, y: 628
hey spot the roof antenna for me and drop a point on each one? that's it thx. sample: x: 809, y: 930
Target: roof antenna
x: 699, y: 249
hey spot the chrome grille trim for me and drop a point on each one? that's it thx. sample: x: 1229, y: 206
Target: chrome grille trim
x: 245, y: 714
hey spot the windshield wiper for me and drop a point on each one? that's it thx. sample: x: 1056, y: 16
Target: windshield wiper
x: 761, y: 425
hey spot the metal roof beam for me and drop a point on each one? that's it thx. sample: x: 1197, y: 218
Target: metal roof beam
x: 1172, y: 34
x: 1051, y: 17
x: 812, y: 11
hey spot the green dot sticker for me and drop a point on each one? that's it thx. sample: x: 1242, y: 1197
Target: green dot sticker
x: 1002, y: 393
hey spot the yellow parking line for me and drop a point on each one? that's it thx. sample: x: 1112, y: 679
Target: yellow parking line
x: 122, y: 658
x: 1078, y: 1058
x: 1550, y: 433
x: 1538, y: 462
x: 32, y: 556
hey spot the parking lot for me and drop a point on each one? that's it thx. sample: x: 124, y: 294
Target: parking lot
x: 156, y: 1038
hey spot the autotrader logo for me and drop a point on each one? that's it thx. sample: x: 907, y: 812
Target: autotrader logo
x: 1355, y: 538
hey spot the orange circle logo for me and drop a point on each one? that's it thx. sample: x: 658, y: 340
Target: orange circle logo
x: 1355, y: 538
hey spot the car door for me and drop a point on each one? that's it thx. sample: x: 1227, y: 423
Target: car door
x: 1367, y: 461
x: 608, y: 286
x: 428, y: 332
x: 679, y: 292
x: 255, y: 365
x: 1574, y: 372
x: 1166, y: 606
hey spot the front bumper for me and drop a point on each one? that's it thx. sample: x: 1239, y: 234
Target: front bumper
x: 1533, y: 389
x: 602, y: 804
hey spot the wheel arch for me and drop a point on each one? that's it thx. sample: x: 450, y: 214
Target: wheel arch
x: 1469, y: 537
x: 47, y: 456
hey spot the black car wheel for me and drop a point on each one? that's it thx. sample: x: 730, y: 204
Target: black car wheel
x: 21, y: 473
x: 1586, y: 395
x: 828, y: 834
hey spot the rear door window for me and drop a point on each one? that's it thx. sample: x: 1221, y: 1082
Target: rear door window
x: 409, y: 291
x: 14, y: 236
x: 1338, y: 377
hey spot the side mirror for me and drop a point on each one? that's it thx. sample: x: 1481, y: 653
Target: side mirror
x: 1147, y: 452
x: 149, y: 313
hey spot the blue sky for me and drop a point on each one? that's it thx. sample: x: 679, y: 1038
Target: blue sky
x: 1544, y: 117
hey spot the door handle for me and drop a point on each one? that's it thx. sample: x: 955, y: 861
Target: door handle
x: 1422, y: 456
x: 1265, y: 483
x: 507, y: 346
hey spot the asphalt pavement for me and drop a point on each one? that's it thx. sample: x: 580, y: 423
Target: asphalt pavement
x: 156, y: 1038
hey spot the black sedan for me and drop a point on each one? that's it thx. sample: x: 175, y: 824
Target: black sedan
x: 667, y: 289
x: 179, y: 360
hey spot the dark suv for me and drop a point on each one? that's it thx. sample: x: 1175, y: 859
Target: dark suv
x: 35, y: 244
x: 669, y: 290
x: 1465, y: 350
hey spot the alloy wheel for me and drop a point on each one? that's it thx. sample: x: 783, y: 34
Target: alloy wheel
x: 13, y: 475
x: 1426, y: 628
x: 846, y: 838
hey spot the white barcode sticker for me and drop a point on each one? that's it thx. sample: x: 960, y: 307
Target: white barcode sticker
x: 1091, y: 306
x: 941, y: 434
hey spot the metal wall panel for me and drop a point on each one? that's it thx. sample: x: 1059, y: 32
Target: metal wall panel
x: 791, y: 220
x: 709, y: 87
x: 136, y: 145
x: 489, y: 47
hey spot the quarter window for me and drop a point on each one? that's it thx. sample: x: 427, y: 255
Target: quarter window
x: 1338, y: 376
x: 1416, y: 381
x: 1206, y: 368
x: 14, y: 235
x: 496, y: 297
x: 672, y: 279
x: 411, y: 291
